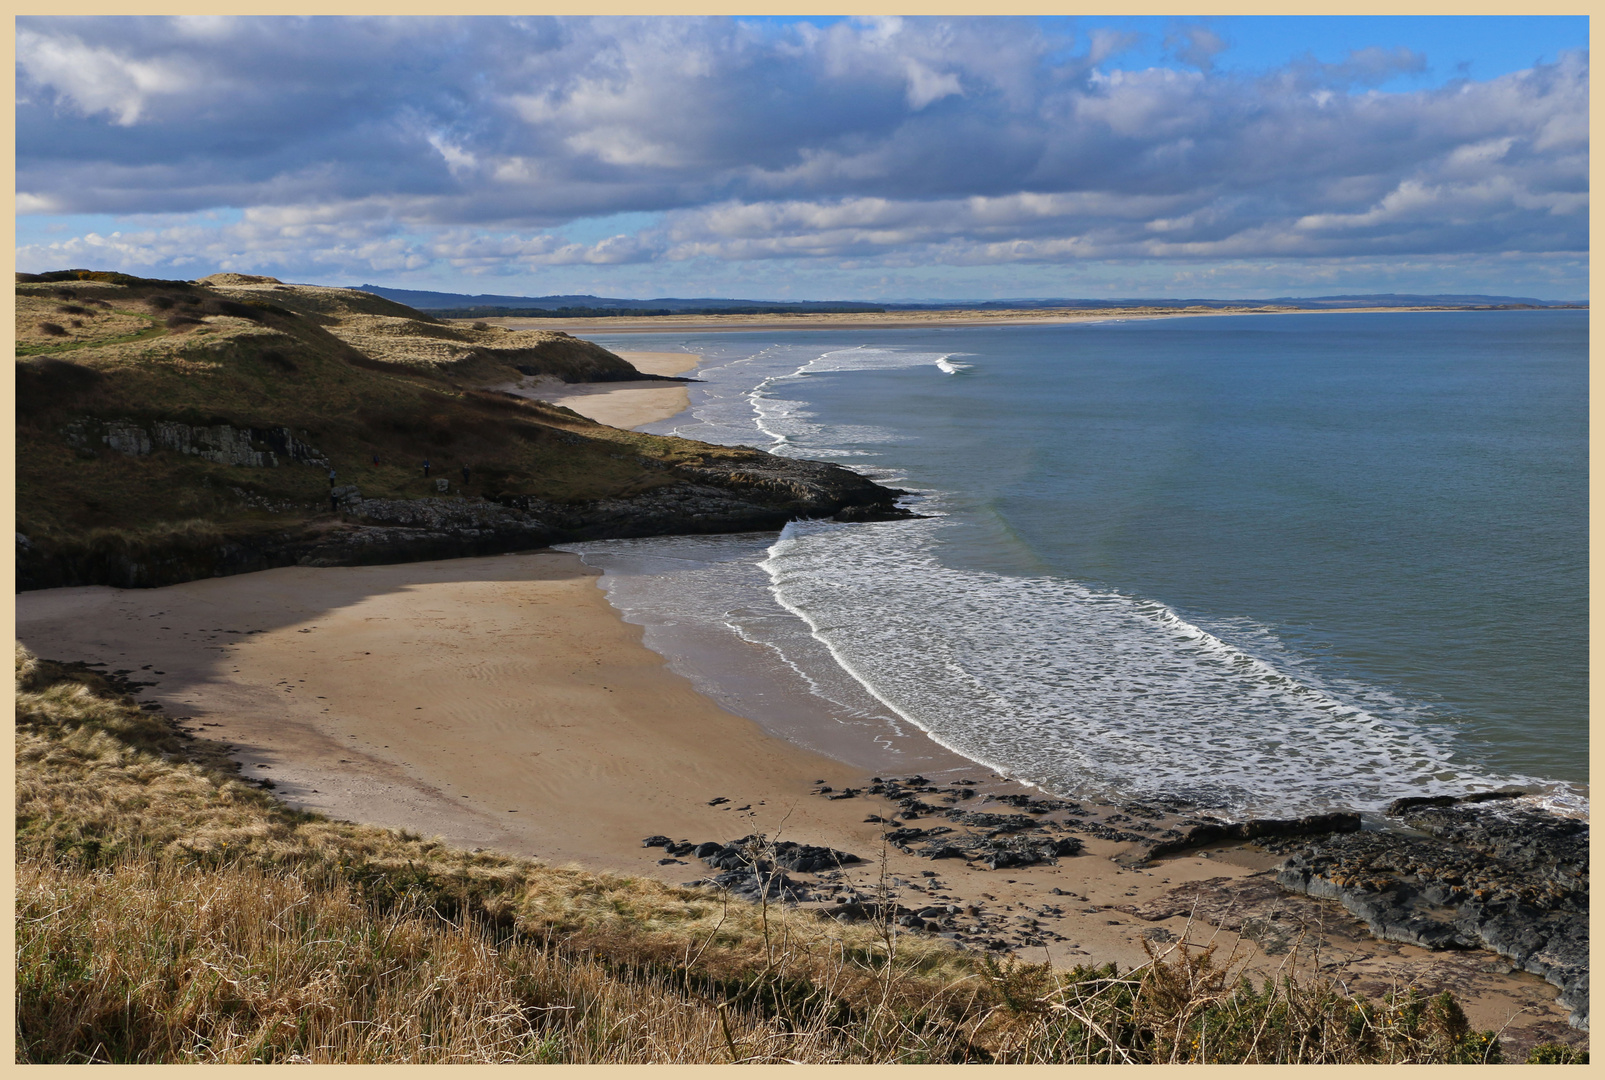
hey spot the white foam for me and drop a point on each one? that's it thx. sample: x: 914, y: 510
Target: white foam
x: 1084, y: 691
x: 1074, y: 689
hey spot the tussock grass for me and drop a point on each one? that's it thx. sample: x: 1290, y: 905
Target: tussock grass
x: 170, y: 911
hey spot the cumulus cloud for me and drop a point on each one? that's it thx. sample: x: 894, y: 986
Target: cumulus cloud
x: 472, y: 143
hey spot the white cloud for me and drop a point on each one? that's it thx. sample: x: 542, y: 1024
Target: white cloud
x: 885, y: 142
x: 96, y: 79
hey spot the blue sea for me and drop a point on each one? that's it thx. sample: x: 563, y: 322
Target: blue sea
x: 1267, y: 564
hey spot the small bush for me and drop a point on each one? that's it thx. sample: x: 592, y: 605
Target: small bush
x: 53, y: 329
x: 72, y: 309
x: 1556, y: 1054
x: 482, y: 326
x: 174, y: 322
x: 239, y: 311
x: 160, y: 303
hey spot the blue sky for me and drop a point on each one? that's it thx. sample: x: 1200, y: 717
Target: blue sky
x: 814, y: 158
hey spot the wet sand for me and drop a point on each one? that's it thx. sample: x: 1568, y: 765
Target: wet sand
x: 502, y: 703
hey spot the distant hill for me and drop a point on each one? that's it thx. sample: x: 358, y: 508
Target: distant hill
x: 460, y: 305
x: 485, y: 305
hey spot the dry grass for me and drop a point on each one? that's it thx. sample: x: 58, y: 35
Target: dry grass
x: 40, y: 310
x: 147, y: 961
x: 169, y: 911
x: 270, y: 368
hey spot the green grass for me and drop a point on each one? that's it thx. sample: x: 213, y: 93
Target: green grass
x: 156, y: 329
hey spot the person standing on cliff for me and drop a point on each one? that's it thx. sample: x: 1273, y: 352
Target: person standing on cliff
x: 331, y: 479
x: 426, y: 467
x: 465, y: 474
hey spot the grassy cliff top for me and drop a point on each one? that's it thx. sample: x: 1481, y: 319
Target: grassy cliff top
x: 365, y: 385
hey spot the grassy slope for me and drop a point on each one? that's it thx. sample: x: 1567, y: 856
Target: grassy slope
x: 269, y: 356
x: 168, y: 911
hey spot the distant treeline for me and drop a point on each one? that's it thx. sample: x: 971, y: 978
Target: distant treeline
x: 615, y: 312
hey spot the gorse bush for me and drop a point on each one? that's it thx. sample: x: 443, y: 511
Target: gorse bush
x: 168, y: 911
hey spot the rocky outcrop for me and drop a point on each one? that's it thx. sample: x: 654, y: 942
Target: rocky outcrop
x: 1201, y: 833
x: 753, y: 868
x: 223, y: 444
x: 378, y: 531
x: 1510, y: 878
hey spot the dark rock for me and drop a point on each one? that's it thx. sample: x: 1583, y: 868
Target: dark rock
x: 755, y: 885
x: 1215, y: 832
x: 996, y: 822
x: 859, y: 910
x: 754, y: 852
x: 1400, y: 806
x: 761, y: 492
x: 811, y: 859
x: 906, y: 835
x: 655, y: 841
x: 1505, y: 877
x: 1037, y: 806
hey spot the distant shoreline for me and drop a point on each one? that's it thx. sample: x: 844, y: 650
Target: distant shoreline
x: 901, y: 320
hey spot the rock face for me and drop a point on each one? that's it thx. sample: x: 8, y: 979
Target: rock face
x: 1506, y: 877
x: 219, y: 443
x: 751, y: 496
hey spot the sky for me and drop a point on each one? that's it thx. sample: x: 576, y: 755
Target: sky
x: 814, y: 158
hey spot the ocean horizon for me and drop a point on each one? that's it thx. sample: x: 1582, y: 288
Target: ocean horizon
x: 1263, y: 564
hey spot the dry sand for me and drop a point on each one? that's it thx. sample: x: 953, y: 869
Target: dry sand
x: 622, y: 404
x: 501, y: 703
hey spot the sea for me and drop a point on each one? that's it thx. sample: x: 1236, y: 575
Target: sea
x: 1262, y: 564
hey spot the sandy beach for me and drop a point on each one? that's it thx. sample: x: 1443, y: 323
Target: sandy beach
x: 501, y: 703
x: 621, y: 404
x: 894, y: 320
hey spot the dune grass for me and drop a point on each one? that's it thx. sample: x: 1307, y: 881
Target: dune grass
x: 169, y: 911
